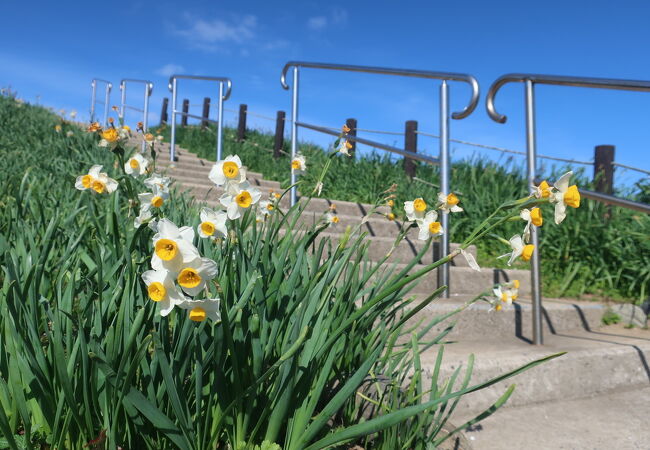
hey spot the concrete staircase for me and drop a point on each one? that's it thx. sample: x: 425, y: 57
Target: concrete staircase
x: 600, y: 363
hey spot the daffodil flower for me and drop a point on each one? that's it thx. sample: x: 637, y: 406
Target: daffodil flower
x: 331, y: 218
x: 344, y: 147
x: 69, y: 133
x: 173, y: 247
x: 162, y: 290
x: 564, y: 196
x: 519, y: 249
x: 448, y: 203
x: 429, y: 226
x: 264, y: 209
x: 213, y: 224
x: 239, y: 198
x: 157, y: 181
x: 415, y: 209
x: 136, y: 165
x: 506, y: 294
x: 299, y: 164
x: 194, y: 275
x: 531, y: 216
x: 228, y: 170
x: 199, y: 310
x: 96, y: 181
x: 143, y: 217
x: 543, y: 190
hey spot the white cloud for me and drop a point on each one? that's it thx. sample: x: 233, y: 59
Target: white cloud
x: 317, y: 23
x: 208, y: 34
x: 170, y: 69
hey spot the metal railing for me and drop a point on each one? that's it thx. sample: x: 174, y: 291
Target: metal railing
x: 148, y: 88
x: 93, y: 99
x: 173, y: 87
x: 529, y: 81
x: 443, y: 160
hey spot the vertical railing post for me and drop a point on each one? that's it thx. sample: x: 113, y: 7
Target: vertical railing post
x: 163, y: 113
x: 93, y: 99
x: 603, y: 168
x: 294, y: 131
x: 241, y: 125
x: 352, y: 125
x: 410, y: 145
x: 145, y: 119
x: 279, y: 134
x: 206, y: 112
x: 186, y: 109
x: 122, y: 99
x: 107, y: 97
x: 534, y: 238
x: 443, y: 271
x: 220, y: 122
x: 172, y: 143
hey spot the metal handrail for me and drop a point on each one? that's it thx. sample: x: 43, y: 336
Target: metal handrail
x: 148, y: 89
x: 530, y: 80
x: 413, y: 73
x: 559, y: 80
x: 93, y: 97
x: 173, y: 87
x: 443, y: 161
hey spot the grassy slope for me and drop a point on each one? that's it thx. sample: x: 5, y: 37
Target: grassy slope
x: 598, y: 256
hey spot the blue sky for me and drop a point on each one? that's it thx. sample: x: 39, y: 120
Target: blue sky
x: 54, y: 49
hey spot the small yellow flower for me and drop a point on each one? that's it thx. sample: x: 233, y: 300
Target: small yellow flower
x: 390, y: 216
x: 346, y: 129
x: 448, y: 203
x: 57, y: 128
x: 94, y: 127
x: 390, y: 203
x: 415, y: 209
x: 149, y: 137
x: 111, y: 135
x: 126, y: 128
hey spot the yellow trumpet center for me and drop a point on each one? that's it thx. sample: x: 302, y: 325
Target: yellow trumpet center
x: 230, y: 169
x: 270, y: 207
x: 110, y: 134
x: 189, y: 278
x: 207, y: 228
x: 497, y: 307
x: 166, y: 249
x: 86, y: 181
x: 572, y: 197
x: 126, y: 128
x: 536, y: 217
x: 156, y: 291
x: 295, y: 164
x: 149, y: 137
x: 434, y: 227
x: 197, y: 314
x: 528, y: 252
x: 419, y: 205
x: 134, y: 163
x: 515, y: 283
x: 504, y: 297
x: 157, y: 201
x: 452, y: 199
x: 391, y: 216
x: 348, y: 145
x: 98, y: 186
x: 335, y: 219
x: 244, y: 199
x: 545, y: 189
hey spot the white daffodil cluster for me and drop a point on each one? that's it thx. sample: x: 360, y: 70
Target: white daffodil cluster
x: 96, y: 181
x: 113, y: 136
x: 239, y: 195
x: 504, y: 295
x: 179, y: 271
x: 561, y: 195
x: 154, y: 200
x: 344, y: 144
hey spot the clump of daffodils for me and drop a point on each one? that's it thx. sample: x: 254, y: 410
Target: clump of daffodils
x: 504, y: 295
x: 179, y: 273
x: 152, y: 201
x: 113, y: 137
x: 344, y: 145
x: 96, y: 181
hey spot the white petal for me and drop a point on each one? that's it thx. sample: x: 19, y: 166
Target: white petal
x: 233, y: 211
x: 186, y: 233
x: 470, y: 260
x: 111, y: 185
x: 431, y: 216
x: 423, y: 235
x: 560, y: 212
x: 94, y: 171
x: 216, y: 174
x: 167, y: 229
x: 563, y: 183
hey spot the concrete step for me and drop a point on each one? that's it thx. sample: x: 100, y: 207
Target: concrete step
x: 477, y: 321
x: 597, y: 361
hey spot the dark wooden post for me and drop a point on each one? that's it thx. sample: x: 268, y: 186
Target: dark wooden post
x: 206, y: 112
x: 279, y: 134
x: 186, y: 109
x: 352, y: 125
x: 603, y: 169
x: 241, y: 126
x: 410, y: 145
x: 163, y: 113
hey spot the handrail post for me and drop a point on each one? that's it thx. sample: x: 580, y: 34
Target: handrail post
x: 93, y: 98
x: 106, y: 99
x: 294, y: 131
x: 145, y: 119
x: 220, y: 122
x: 172, y: 140
x: 122, y: 99
x: 534, y: 238
x: 443, y: 271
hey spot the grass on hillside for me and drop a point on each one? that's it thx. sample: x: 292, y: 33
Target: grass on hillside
x: 589, y: 254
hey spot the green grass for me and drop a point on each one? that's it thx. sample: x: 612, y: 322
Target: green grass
x: 588, y: 254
